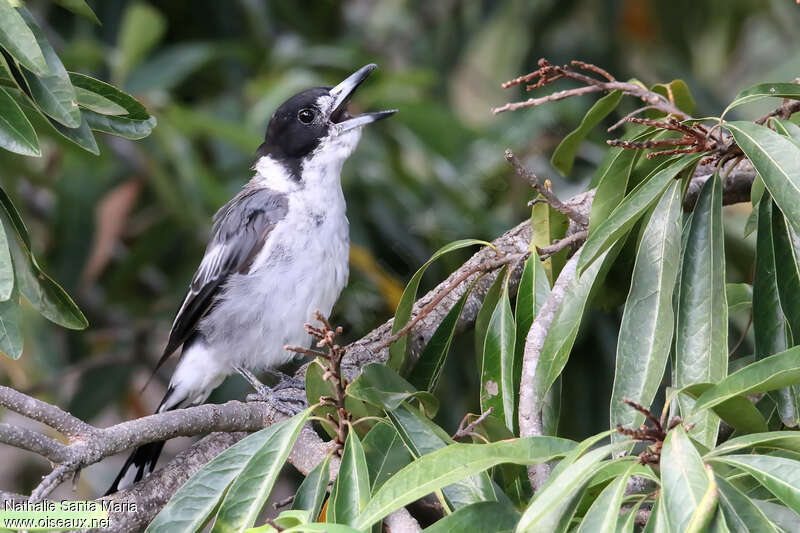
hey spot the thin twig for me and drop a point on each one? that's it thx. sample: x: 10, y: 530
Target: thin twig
x: 570, y: 240
x: 481, y: 267
x: 468, y: 430
x: 629, y: 116
x: 543, y: 189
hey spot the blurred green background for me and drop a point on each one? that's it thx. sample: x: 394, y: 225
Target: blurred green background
x: 123, y: 232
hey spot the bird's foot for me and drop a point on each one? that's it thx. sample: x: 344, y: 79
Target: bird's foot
x: 287, y: 397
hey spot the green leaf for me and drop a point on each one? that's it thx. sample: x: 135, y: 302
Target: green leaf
x: 764, y: 90
x: 497, y: 373
x: 532, y: 292
x: 18, y: 39
x: 777, y: 160
x: 771, y: 373
x: 312, y: 491
x: 741, y: 514
x: 79, y: 7
x: 82, y: 135
x: 684, y: 480
x: 481, y: 517
x: 778, y: 440
x: 249, y: 491
x: 485, y: 313
x: 44, y: 294
x: 451, y: 464
x: 10, y: 335
x: 678, y: 93
x: 16, y: 133
x: 194, y: 502
x: 381, y: 386
x: 386, y: 454
x: 350, y: 492
x: 647, y: 321
x: 780, y: 515
x: 739, y: 296
x: 640, y: 199
x: 787, y: 271
x: 141, y: 29
x: 564, y: 155
x: 603, y: 515
x: 613, y: 177
x: 397, y: 351
x: 739, y: 412
x: 428, y: 368
x: 779, y: 475
x: 136, y: 123
x: 6, y: 266
x: 769, y: 323
x: 421, y: 436
x: 564, y: 328
x: 701, y: 339
x: 547, y: 509
x: 97, y: 103
x: 52, y: 92
x: 786, y: 127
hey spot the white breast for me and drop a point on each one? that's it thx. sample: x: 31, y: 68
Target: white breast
x: 302, y: 268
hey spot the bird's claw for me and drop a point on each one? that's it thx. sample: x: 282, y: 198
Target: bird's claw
x: 287, y: 397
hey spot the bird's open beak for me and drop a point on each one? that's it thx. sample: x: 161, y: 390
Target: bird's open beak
x: 341, y: 96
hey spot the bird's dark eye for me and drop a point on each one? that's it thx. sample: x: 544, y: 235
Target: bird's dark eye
x: 306, y: 116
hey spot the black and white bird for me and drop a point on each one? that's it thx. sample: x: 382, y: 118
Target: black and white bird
x: 279, y: 252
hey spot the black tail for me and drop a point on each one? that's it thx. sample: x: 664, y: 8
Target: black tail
x: 141, y: 462
x: 144, y: 458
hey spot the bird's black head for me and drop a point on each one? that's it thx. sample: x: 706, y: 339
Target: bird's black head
x: 315, y: 123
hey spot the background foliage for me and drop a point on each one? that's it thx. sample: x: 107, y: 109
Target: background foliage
x: 123, y: 231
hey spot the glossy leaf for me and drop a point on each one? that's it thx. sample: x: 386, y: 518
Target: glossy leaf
x: 701, y: 338
x: 97, y: 103
x: 18, y: 39
x: 562, y: 332
x: 777, y: 160
x: 769, y: 323
x: 546, y: 511
x: 779, y: 440
x: 428, y: 368
x: 737, y: 411
x: 638, y: 201
x: 780, y: 515
x: 497, y: 373
x: 10, y: 334
x: 532, y: 292
x: 82, y: 135
x: 381, y: 386
x: 350, y: 491
x: 772, y: 373
x: 454, y: 463
x: 647, y: 320
x: 16, y: 133
x: 249, y: 491
x: 739, y: 296
x: 44, y: 294
x: 678, y: 93
x: 779, y: 475
x: 52, y: 92
x: 194, y: 502
x: 136, y: 123
x: 786, y: 127
x: 482, y: 517
x: 485, y: 313
x: 385, y: 452
x: 312, y: 491
x: 787, y: 271
x: 612, y: 183
x: 421, y: 436
x: 683, y: 478
x: 79, y: 7
x: 564, y: 154
x: 603, y: 515
x: 741, y: 514
x: 765, y: 90
x: 397, y: 351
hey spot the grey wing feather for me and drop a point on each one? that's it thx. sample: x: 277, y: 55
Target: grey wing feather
x: 241, y: 228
